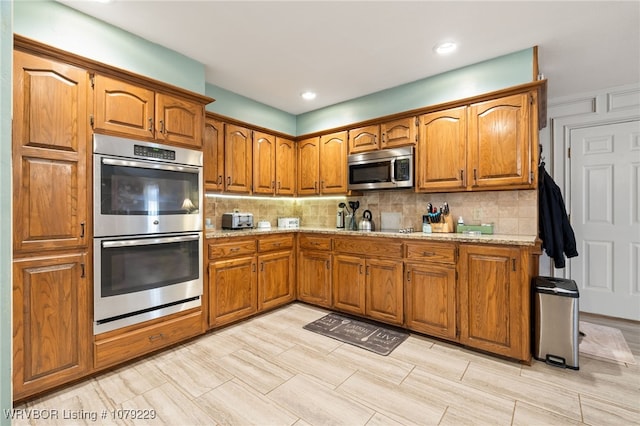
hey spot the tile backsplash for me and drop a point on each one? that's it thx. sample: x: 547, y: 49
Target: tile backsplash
x: 511, y: 212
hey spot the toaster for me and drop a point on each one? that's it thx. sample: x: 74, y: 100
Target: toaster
x: 289, y: 222
x: 237, y: 220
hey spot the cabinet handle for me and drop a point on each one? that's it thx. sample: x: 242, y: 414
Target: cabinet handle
x: 428, y: 253
x: 273, y: 184
x: 360, y: 269
x: 409, y: 275
x: 261, y: 266
x: 462, y: 176
x: 151, y: 124
x: 228, y: 180
x: 155, y: 337
x: 383, y: 139
x: 279, y: 185
x: 81, y: 229
x: 253, y: 267
x: 162, y: 126
x: 315, y: 185
x: 322, y: 185
x: 219, y: 179
x: 475, y: 176
x: 328, y: 265
x: 513, y: 264
x: 367, y: 270
x: 234, y: 249
x: 82, y: 272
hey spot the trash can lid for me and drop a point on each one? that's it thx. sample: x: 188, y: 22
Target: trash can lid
x: 558, y: 286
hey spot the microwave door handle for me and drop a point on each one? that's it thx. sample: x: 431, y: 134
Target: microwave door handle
x: 393, y: 171
x: 145, y: 165
x: 149, y: 241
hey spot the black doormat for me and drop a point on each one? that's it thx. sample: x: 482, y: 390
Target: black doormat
x: 368, y: 335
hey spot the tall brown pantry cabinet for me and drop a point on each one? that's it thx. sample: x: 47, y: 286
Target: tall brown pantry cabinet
x: 51, y: 298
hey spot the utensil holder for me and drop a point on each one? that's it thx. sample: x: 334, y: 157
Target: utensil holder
x: 445, y: 225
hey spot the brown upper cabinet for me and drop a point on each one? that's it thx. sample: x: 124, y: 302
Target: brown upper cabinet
x: 273, y: 165
x: 131, y: 110
x: 213, y: 151
x: 322, y: 164
x: 238, y: 158
x: 486, y: 145
x: 390, y: 134
x: 50, y: 131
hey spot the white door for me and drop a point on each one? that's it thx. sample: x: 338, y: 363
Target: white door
x: 605, y: 215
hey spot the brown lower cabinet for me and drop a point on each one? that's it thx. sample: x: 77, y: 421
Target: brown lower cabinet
x: 367, y: 278
x: 314, y: 269
x: 494, y: 297
x: 51, y: 323
x: 249, y: 275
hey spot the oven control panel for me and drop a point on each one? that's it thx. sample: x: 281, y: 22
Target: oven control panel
x: 151, y: 152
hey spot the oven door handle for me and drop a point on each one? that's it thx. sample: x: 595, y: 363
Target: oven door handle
x: 149, y: 241
x: 146, y: 165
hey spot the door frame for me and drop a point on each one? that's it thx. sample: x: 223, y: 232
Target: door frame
x: 609, y: 106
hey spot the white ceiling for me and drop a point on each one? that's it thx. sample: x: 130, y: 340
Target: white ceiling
x: 271, y: 51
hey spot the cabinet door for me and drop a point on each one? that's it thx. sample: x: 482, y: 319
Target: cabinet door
x: 491, y: 299
x: 50, y: 129
x: 500, y: 142
x: 385, y: 290
x: 238, y: 150
x: 124, y: 108
x: 441, y: 154
x: 333, y: 163
x: 51, y: 324
x: 275, y: 279
x: 430, y: 299
x: 179, y: 121
x: 314, y: 278
x: 213, y: 151
x: 349, y: 283
x: 285, y: 167
x: 308, y: 166
x: 364, y: 139
x: 264, y: 161
x: 399, y: 132
x: 232, y: 290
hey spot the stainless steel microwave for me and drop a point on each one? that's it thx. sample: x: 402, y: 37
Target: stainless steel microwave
x: 382, y: 169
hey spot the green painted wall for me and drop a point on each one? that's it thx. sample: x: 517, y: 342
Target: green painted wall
x: 484, y: 77
x: 6, y: 49
x: 241, y: 108
x: 60, y: 26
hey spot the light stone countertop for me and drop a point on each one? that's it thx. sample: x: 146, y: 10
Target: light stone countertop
x: 517, y: 240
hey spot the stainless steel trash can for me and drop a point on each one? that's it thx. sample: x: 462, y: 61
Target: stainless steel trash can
x: 556, y: 321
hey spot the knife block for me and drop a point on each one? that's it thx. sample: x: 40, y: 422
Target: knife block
x: 445, y: 225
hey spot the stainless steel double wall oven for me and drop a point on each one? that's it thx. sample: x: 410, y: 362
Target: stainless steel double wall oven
x: 147, y: 231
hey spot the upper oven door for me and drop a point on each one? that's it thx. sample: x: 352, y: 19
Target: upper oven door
x: 134, y: 196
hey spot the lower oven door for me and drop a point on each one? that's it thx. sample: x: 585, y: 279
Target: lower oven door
x: 144, y: 277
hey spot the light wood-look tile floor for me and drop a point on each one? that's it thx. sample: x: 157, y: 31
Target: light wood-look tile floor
x: 270, y: 371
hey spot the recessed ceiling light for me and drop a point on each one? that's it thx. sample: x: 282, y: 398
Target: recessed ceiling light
x: 308, y: 96
x: 444, y: 47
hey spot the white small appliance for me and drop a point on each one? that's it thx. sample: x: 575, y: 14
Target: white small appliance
x: 289, y: 222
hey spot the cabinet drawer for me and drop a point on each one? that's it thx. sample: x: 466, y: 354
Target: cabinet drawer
x: 275, y: 243
x: 131, y: 344
x: 232, y: 249
x: 434, y: 252
x: 315, y: 242
x: 369, y: 246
